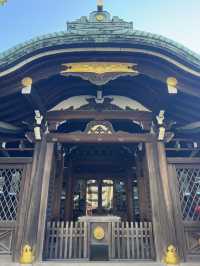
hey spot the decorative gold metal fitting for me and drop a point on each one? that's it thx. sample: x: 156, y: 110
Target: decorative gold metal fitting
x: 99, y: 233
x: 27, y: 81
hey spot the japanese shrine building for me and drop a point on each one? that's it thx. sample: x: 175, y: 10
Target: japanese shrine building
x: 100, y: 146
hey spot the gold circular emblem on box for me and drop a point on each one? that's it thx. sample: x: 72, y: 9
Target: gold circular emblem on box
x: 99, y: 233
x: 99, y: 17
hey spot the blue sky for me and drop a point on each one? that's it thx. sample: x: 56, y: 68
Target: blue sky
x: 21, y: 20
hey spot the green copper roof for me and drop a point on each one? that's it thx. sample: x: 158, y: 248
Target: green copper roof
x: 99, y: 27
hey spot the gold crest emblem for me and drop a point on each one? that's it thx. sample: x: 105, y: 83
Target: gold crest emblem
x: 99, y: 233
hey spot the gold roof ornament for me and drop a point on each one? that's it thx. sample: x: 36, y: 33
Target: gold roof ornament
x: 2, y: 2
x: 99, y: 73
x: 27, y: 81
x: 172, y: 83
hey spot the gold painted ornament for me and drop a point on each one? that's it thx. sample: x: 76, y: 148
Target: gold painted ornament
x: 27, y: 81
x: 172, y: 83
x: 99, y: 17
x: 99, y: 233
x: 27, y: 255
x: 171, y: 256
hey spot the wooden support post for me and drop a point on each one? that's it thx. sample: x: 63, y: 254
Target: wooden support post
x: 58, y: 184
x: 167, y: 193
x: 34, y: 192
x: 129, y: 195
x: 40, y: 170
x: 161, y: 224
x: 143, y: 190
x: 43, y: 201
x: 69, y: 194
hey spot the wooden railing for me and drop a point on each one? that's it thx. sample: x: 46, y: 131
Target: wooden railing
x: 66, y: 240
x: 132, y: 241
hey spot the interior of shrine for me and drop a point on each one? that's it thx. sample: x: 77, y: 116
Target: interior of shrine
x: 102, y: 179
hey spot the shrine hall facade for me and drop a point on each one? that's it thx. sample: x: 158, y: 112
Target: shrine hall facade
x: 100, y: 146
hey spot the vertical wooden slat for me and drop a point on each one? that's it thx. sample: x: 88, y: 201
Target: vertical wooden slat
x: 151, y: 241
x: 123, y: 240
x: 66, y: 240
x: 61, y: 240
x: 137, y: 240
x: 52, y: 233
x: 145, y: 230
x: 142, y: 236
x: 57, y: 228
x: 109, y: 241
x: 128, y: 240
x: 75, y: 240
x: 85, y: 241
x: 132, y: 240
x: 113, y: 240
x: 118, y: 240
x: 70, y: 239
x: 79, y: 240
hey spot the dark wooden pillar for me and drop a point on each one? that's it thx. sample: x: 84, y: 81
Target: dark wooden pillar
x: 161, y: 223
x: 38, y: 192
x: 58, y: 185
x: 143, y: 190
x: 34, y: 192
x: 166, y: 190
x: 44, y: 200
x: 69, y: 194
x: 129, y: 196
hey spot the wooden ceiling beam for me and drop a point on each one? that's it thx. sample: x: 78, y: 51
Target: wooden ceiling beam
x: 114, y: 138
x: 59, y: 116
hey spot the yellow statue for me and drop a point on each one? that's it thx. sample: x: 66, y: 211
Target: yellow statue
x: 171, y: 256
x: 27, y: 255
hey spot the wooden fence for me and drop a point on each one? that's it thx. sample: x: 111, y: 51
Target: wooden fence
x: 127, y: 241
x: 132, y: 241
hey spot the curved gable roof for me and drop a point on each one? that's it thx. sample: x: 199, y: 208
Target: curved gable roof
x: 86, y: 31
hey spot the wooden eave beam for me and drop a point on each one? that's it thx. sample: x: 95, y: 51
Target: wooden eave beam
x: 115, y: 138
x: 59, y: 116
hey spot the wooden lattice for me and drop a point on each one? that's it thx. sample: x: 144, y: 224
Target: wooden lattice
x: 189, y: 192
x: 10, y: 179
x: 5, y: 241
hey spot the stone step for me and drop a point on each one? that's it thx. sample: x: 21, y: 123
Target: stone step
x: 91, y: 263
x: 6, y: 261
